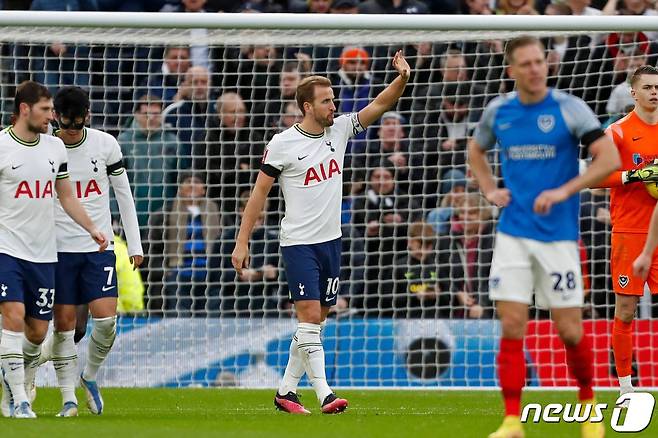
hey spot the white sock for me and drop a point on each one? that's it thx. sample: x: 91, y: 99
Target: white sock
x: 11, y: 357
x: 46, y: 349
x: 31, y: 353
x: 625, y: 384
x: 294, y: 369
x: 65, y: 361
x: 312, y: 353
x: 100, y: 344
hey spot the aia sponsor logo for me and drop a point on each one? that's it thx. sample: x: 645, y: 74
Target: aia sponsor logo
x: 321, y: 172
x: 34, y: 189
x: 83, y: 190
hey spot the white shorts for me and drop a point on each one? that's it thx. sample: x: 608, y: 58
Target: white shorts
x: 549, y: 269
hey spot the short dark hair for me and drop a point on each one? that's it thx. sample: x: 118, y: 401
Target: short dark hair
x: 517, y: 43
x: 423, y: 232
x: 147, y: 100
x: 306, y: 90
x: 72, y: 102
x: 642, y: 70
x: 29, y: 92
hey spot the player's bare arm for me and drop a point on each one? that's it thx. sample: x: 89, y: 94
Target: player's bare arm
x: 481, y: 170
x: 73, y: 208
x: 385, y: 100
x: 255, y: 204
x: 605, y: 161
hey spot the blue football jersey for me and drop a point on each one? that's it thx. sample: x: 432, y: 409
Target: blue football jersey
x: 538, y: 146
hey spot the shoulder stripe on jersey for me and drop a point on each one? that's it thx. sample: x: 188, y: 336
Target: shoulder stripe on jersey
x: 75, y: 145
x: 23, y: 142
x: 112, y: 168
x: 63, y: 175
x: 118, y: 172
x: 307, y: 134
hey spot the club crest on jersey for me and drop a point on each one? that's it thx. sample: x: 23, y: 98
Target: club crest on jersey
x: 623, y: 281
x: 546, y: 122
x: 321, y: 173
x: 52, y: 166
x: 94, y: 163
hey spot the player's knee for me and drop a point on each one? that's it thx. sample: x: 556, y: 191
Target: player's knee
x: 571, y: 334
x: 64, y: 321
x: 105, y: 329
x: 12, y: 322
x: 625, y: 310
x: 513, y: 326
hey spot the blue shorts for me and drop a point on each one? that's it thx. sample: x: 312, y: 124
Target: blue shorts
x: 82, y: 277
x: 313, y: 271
x: 32, y: 284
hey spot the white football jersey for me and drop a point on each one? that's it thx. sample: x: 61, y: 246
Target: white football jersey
x: 310, y: 172
x: 90, y: 162
x: 28, y: 172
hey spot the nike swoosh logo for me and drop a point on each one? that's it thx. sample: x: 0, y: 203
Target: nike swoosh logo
x: 636, y: 138
x: 14, y: 368
x: 313, y: 351
x: 301, y: 158
x: 105, y: 288
x: 327, y: 299
x: 15, y: 167
x: 43, y: 312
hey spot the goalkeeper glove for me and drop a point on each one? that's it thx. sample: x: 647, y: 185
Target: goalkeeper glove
x: 648, y: 173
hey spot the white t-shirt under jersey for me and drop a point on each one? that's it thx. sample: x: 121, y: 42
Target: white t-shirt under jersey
x: 88, y: 163
x: 28, y: 172
x: 310, y: 172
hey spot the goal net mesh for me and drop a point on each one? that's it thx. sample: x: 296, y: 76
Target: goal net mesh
x: 193, y: 110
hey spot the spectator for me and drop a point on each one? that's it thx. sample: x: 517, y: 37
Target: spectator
x: 166, y: 83
x: 444, y: 141
x: 390, y: 148
x: 381, y: 215
x: 421, y: 286
x: 255, y: 291
x: 468, y: 250
x: 61, y: 64
x: 393, y: 7
x: 150, y: 155
x: 621, y: 98
x: 224, y: 157
x: 199, y: 53
x: 453, y: 189
x: 188, y: 115
x: 288, y: 80
x: 476, y: 7
x: 344, y: 7
x: 516, y: 7
x: 454, y: 69
x: 182, y: 236
x: 355, y: 86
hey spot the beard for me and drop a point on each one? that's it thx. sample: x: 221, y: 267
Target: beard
x: 37, y: 129
x: 325, y: 122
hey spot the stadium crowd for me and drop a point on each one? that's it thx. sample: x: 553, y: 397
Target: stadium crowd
x: 417, y: 236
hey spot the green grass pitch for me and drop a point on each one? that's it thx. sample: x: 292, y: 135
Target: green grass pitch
x: 249, y: 413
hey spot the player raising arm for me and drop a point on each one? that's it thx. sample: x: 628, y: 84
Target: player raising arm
x: 33, y: 166
x: 308, y: 160
x: 538, y: 131
x: 630, y: 211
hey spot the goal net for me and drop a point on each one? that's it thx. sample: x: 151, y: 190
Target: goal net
x: 194, y: 100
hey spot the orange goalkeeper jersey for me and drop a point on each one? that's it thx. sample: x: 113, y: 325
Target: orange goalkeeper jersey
x: 630, y: 204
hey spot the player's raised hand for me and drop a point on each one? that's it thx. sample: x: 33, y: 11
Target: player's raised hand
x: 546, y: 199
x: 401, y: 65
x: 641, y: 265
x: 136, y: 260
x: 100, y: 239
x: 499, y: 197
x: 240, y: 257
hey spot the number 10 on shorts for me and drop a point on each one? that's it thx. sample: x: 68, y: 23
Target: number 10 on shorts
x: 332, y: 287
